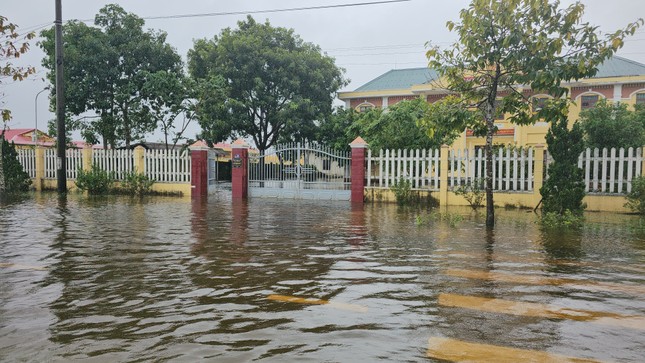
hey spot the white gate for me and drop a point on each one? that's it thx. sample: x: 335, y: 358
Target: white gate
x: 301, y: 171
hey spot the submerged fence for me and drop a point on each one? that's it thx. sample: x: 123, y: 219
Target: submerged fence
x: 165, y: 166
x: 608, y: 171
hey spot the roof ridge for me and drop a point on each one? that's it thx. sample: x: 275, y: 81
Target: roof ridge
x: 628, y: 60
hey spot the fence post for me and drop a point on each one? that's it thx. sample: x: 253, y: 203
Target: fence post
x: 40, y: 167
x: 87, y: 157
x: 240, y: 169
x: 443, y: 175
x: 139, y: 160
x: 359, y: 149
x: 538, y: 173
x: 198, y: 169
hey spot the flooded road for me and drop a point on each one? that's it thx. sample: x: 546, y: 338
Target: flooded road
x: 168, y: 279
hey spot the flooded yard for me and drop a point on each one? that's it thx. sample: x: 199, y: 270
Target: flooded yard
x: 169, y: 279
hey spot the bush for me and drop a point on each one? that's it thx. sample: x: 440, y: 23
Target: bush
x: 15, y: 178
x: 566, y: 220
x: 636, y: 198
x: 474, y: 193
x: 137, y: 184
x: 403, y: 193
x: 96, y: 181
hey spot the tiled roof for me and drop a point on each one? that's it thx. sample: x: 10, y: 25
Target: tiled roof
x: 400, y: 79
x: 406, y: 78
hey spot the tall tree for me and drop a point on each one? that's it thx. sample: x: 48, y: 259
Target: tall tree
x: 12, y: 46
x: 609, y: 124
x: 507, y: 47
x: 104, y: 72
x: 275, y: 81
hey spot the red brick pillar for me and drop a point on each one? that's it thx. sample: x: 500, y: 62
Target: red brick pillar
x: 240, y: 169
x: 199, y: 169
x: 359, y: 154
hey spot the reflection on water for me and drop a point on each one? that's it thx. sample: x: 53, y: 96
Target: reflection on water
x: 121, y: 279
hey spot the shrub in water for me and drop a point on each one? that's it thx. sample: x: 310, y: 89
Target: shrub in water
x: 402, y: 190
x: 137, y: 184
x: 474, y: 193
x: 96, y: 181
x: 636, y: 198
x: 15, y: 179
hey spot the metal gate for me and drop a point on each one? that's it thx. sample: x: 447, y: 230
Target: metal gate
x: 302, y: 171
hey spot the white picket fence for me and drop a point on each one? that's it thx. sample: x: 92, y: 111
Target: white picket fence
x: 27, y: 158
x: 160, y: 165
x: 421, y: 167
x: 611, y: 171
x: 74, y: 159
x: 607, y: 171
x: 168, y: 165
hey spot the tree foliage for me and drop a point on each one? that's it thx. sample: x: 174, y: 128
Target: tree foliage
x: 15, y: 178
x: 564, y: 189
x: 276, y: 84
x: 611, y: 124
x: 105, y: 71
x: 12, y: 46
x: 509, y: 46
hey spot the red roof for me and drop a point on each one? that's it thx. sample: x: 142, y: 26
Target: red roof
x: 23, y: 137
x: 500, y: 132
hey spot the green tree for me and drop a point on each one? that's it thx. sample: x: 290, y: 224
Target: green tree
x: 275, y: 82
x: 105, y: 67
x: 12, y: 46
x: 507, y: 46
x: 564, y: 189
x: 334, y: 129
x: 611, y: 124
x: 15, y: 178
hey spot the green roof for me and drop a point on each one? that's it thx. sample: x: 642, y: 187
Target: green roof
x: 406, y: 78
x: 620, y: 67
x: 399, y: 79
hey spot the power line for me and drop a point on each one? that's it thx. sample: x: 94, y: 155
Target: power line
x: 199, y: 15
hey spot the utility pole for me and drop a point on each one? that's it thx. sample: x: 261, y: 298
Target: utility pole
x: 61, y: 160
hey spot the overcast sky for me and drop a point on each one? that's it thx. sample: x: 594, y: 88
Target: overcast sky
x: 366, y: 41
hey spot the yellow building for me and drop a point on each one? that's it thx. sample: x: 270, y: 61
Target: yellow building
x: 618, y: 80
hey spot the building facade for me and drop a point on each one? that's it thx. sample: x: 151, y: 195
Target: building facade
x: 618, y: 80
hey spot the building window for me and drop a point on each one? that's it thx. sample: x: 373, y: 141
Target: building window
x: 589, y: 101
x: 364, y: 107
x: 326, y: 164
x: 640, y: 98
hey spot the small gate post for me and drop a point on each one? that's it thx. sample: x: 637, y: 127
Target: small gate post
x: 359, y: 148
x: 240, y: 169
x: 199, y: 169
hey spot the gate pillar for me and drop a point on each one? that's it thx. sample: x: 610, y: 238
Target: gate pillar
x: 199, y: 169
x: 240, y: 169
x: 359, y: 150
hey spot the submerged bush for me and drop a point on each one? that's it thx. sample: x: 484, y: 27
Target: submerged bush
x: 473, y: 192
x: 567, y: 219
x: 16, y: 180
x: 402, y: 190
x: 636, y: 198
x: 137, y: 184
x: 96, y: 181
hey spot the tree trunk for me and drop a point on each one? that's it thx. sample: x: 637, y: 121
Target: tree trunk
x: 490, y: 206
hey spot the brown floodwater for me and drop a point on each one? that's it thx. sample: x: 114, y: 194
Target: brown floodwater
x: 171, y: 279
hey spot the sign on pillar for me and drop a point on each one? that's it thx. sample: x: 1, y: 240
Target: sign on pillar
x: 240, y: 169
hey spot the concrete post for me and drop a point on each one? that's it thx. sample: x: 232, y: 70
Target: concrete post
x: 443, y: 176
x: 538, y: 174
x: 359, y: 151
x: 240, y: 169
x: 40, y: 167
x: 139, y: 160
x: 199, y: 169
x: 87, y: 157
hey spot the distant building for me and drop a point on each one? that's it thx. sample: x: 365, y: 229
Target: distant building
x: 618, y: 79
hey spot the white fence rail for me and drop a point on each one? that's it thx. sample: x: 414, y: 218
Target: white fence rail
x: 27, y: 158
x: 168, y: 165
x: 608, y: 171
x: 421, y: 167
x: 74, y: 159
x: 117, y: 162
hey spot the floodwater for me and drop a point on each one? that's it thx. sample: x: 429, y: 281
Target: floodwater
x: 170, y: 279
